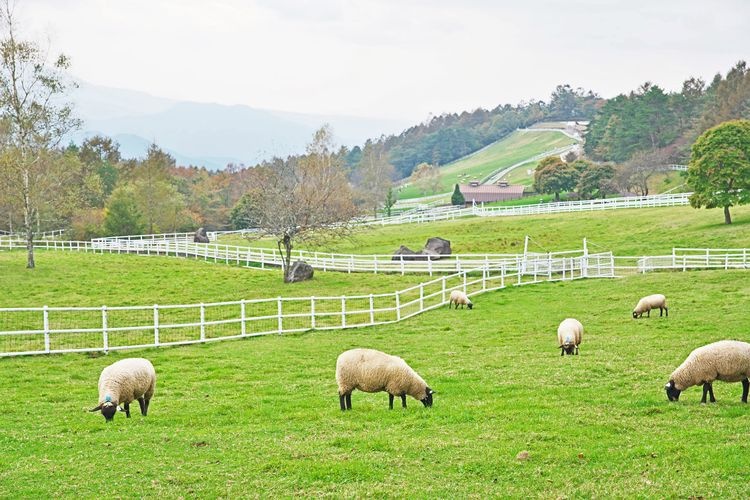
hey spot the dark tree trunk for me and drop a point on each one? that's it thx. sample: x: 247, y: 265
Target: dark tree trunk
x: 557, y: 196
x: 28, y: 221
x: 727, y: 216
x: 286, y: 255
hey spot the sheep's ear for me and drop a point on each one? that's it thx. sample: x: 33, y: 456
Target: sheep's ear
x: 430, y: 391
x: 97, y: 408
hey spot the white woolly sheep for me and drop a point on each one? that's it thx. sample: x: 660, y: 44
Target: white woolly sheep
x: 373, y: 371
x: 569, y: 335
x: 459, y: 297
x: 125, y: 381
x: 725, y: 360
x: 651, y: 302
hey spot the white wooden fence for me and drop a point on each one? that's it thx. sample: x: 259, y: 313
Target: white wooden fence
x: 44, y: 330
x: 451, y: 213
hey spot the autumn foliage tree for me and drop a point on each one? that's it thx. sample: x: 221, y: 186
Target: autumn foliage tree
x: 303, y: 199
x: 553, y: 175
x: 719, y: 170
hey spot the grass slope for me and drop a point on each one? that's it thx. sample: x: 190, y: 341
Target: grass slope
x: 75, y: 279
x: 260, y: 417
x: 512, y: 149
x: 647, y: 231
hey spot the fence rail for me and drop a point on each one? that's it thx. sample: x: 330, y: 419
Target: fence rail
x: 45, y: 330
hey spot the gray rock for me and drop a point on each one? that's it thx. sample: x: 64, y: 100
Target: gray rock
x: 438, y: 246
x: 407, y: 253
x: 201, y: 236
x: 300, y: 271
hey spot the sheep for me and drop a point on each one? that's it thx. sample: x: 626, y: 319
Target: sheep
x: 651, y: 302
x: 124, y: 381
x: 459, y: 297
x: 569, y: 335
x: 373, y: 371
x: 726, y: 360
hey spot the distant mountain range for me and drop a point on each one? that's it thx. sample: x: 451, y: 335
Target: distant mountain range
x: 206, y: 134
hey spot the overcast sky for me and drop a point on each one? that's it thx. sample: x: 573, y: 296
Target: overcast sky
x: 388, y: 58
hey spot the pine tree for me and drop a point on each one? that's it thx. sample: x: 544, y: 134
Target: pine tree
x: 458, y: 197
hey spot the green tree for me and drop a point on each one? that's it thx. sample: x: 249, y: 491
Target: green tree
x: 553, y: 175
x: 457, y: 198
x: 243, y: 215
x: 390, y: 200
x: 122, y: 215
x: 34, y: 118
x: 596, y: 181
x: 719, y: 169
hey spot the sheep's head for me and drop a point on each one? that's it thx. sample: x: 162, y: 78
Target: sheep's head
x: 568, y: 348
x: 427, y: 401
x: 635, y: 315
x: 108, y: 409
x: 470, y: 305
x: 673, y: 393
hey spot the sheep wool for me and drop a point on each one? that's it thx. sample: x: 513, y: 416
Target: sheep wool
x: 655, y: 301
x: 374, y: 371
x: 569, y: 335
x: 125, y: 381
x: 459, y: 297
x: 726, y: 360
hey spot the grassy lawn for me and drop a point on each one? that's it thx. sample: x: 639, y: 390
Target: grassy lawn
x: 512, y: 149
x: 75, y: 279
x: 647, y: 231
x: 260, y: 417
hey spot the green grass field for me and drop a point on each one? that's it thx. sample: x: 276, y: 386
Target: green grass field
x: 260, y: 417
x: 648, y: 231
x: 512, y: 149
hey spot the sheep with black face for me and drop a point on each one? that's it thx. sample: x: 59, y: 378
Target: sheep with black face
x: 569, y: 335
x: 725, y: 360
x: 374, y: 371
x: 125, y: 381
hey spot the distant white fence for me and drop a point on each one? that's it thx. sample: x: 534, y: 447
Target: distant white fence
x: 451, y: 213
x: 44, y: 235
x: 268, y: 258
x: 45, y: 330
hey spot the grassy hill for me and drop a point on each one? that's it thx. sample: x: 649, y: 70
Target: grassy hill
x: 512, y: 149
x: 261, y: 416
x: 645, y: 231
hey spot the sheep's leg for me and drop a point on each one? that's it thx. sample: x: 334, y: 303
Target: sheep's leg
x: 127, y: 410
x: 142, y: 404
x: 576, y: 350
x: 342, y: 402
x: 562, y: 351
x: 666, y: 312
x: 745, y: 388
x: 705, y: 391
x: 711, y: 393
x: 648, y: 313
x: 349, y: 401
x: 390, y: 401
x: 146, y: 402
x: 403, y: 400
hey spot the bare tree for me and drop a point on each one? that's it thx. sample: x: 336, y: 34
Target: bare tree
x: 34, y: 120
x: 635, y: 174
x: 303, y: 199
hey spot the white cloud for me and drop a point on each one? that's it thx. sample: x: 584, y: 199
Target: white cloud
x: 388, y: 57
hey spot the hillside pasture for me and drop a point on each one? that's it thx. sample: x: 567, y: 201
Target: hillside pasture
x: 509, y: 150
x: 261, y: 416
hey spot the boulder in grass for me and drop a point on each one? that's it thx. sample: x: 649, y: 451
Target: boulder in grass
x: 407, y: 253
x: 300, y: 271
x: 201, y: 236
x: 438, y: 246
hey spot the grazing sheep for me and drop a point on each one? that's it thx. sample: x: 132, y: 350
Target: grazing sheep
x: 125, y: 381
x: 569, y: 335
x: 651, y: 302
x: 726, y: 360
x: 459, y: 297
x: 373, y: 371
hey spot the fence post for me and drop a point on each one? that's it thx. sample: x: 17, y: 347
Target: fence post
x: 464, y: 281
x: 156, y: 325
x: 443, y: 290
x: 312, y: 312
x: 281, y: 324
x: 375, y: 263
x: 372, y: 310
x: 105, y: 334
x: 343, y: 311
x: 46, y: 329
x: 484, y: 278
x: 203, y: 322
x: 398, y: 307
x: 421, y: 297
x: 502, y: 275
x: 402, y: 265
x: 243, y: 330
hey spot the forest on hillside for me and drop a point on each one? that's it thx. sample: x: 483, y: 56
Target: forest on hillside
x: 94, y: 191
